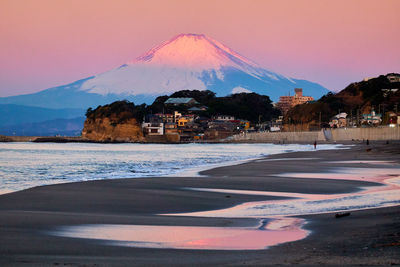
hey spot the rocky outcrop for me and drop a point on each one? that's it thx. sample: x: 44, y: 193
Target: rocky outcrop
x: 116, y: 122
x: 108, y: 130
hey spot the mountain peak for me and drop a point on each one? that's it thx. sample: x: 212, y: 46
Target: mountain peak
x: 195, y: 51
x: 190, y: 35
x: 185, y: 62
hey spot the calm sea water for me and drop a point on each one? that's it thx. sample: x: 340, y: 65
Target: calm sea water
x: 25, y: 165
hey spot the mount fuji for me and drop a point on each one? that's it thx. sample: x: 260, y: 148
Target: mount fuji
x: 186, y: 62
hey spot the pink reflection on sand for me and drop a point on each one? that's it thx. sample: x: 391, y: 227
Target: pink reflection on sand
x: 280, y: 229
x: 302, y: 204
x: 358, y: 174
x: 193, y: 237
x: 257, y: 193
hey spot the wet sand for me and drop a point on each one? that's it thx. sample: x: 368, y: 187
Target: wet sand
x: 365, y: 237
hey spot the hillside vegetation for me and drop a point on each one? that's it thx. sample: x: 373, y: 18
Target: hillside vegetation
x: 248, y: 106
x: 357, y: 98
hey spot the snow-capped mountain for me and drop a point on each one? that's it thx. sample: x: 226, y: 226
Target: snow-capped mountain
x: 187, y: 61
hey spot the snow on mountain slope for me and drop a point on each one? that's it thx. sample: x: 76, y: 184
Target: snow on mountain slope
x: 178, y: 64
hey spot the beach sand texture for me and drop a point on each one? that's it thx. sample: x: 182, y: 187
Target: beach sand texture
x: 369, y: 237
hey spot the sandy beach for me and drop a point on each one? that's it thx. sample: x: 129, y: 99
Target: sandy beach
x: 366, y: 237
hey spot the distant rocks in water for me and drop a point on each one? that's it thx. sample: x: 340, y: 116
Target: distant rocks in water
x: 116, y: 122
x: 342, y: 214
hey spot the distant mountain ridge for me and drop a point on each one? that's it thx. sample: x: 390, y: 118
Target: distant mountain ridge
x: 63, y: 127
x: 186, y: 62
x: 25, y: 120
x: 11, y: 114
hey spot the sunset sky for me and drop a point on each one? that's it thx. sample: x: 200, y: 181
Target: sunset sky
x: 46, y: 43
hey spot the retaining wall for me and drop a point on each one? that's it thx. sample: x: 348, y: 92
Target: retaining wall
x: 344, y: 134
x: 384, y: 133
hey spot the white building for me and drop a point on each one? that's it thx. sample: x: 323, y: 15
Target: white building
x: 151, y: 128
x: 393, y: 78
x: 224, y: 118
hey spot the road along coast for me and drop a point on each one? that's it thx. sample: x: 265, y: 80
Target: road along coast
x: 368, y: 236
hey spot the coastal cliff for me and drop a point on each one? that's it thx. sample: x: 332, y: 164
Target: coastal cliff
x: 116, y: 122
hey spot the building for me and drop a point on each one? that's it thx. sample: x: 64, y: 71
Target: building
x: 371, y: 119
x: 182, y: 120
x: 177, y: 115
x: 394, y: 119
x: 339, y: 121
x: 393, y: 77
x: 153, y: 125
x: 197, y: 109
x: 287, y: 102
x: 152, y: 128
x: 165, y: 117
x: 224, y: 118
x: 387, y: 92
x: 170, y: 128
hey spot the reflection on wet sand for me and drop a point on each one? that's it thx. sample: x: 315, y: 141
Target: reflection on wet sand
x: 267, y: 234
x: 301, y: 204
x: 277, y: 229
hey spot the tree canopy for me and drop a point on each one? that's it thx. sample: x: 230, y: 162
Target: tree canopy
x: 248, y: 106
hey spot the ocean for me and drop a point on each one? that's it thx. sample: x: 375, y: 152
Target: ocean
x: 26, y: 165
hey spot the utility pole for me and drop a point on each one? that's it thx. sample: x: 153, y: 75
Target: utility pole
x: 320, y: 120
x: 351, y: 117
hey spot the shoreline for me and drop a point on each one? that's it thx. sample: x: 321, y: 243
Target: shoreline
x: 79, y: 139
x: 24, y: 214
x: 252, y: 152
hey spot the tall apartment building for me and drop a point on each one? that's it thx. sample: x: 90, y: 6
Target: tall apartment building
x: 287, y: 102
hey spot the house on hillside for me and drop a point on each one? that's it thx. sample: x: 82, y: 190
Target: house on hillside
x: 197, y: 109
x: 170, y: 128
x: 182, y: 121
x: 393, y: 77
x: 339, y: 121
x: 224, y: 118
x: 176, y: 101
x: 371, y: 119
x: 387, y: 92
x: 165, y: 117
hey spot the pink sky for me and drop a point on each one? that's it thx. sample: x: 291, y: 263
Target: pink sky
x: 46, y: 43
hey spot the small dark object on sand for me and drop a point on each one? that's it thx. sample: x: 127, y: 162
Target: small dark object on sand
x: 342, y: 214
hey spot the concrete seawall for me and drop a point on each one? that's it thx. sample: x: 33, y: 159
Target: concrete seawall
x: 344, y: 134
